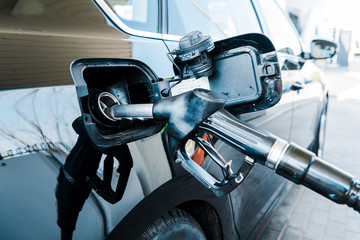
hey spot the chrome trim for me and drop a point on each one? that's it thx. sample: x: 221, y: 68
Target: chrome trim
x: 101, y: 104
x: 109, y: 13
x: 276, y: 153
x: 139, y: 111
x: 170, y: 37
x: 354, y: 195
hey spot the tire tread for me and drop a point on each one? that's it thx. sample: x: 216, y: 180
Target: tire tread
x: 167, y: 220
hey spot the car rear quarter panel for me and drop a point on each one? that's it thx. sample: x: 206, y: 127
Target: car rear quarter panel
x: 38, y: 104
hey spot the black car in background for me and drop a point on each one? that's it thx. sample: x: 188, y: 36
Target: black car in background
x: 38, y: 41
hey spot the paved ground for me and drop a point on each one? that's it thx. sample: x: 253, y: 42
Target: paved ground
x: 305, y: 214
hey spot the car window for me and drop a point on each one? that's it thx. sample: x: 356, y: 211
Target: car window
x: 282, y: 33
x: 137, y: 14
x: 219, y: 18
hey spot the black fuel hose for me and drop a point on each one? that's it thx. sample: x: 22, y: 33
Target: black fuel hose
x: 72, y: 189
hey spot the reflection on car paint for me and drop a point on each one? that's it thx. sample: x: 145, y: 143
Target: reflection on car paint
x: 37, y: 120
x: 24, y: 150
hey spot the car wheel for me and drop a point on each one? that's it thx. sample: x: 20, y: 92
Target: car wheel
x: 176, y: 224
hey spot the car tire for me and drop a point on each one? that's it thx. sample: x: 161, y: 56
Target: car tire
x: 176, y: 224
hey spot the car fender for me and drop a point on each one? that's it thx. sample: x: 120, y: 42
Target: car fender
x: 175, y: 193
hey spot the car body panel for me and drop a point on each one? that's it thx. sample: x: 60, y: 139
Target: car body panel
x: 258, y: 195
x: 26, y: 182
x: 308, y: 104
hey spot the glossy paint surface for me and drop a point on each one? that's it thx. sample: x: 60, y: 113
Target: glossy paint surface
x: 38, y: 104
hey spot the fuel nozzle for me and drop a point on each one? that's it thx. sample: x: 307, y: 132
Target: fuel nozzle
x: 286, y: 159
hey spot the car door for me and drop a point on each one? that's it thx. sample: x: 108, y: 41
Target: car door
x: 308, y: 104
x: 304, y: 78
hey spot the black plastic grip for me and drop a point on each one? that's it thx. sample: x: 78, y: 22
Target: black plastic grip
x: 185, y: 112
x: 103, y: 187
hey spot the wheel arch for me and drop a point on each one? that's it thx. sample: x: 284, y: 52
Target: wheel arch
x: 213, y: 214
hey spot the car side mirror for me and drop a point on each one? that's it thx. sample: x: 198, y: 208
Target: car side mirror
x: 321, y: 49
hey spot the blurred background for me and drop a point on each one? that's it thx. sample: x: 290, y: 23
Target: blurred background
x: 304, y: 214
x: 335, y: 20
